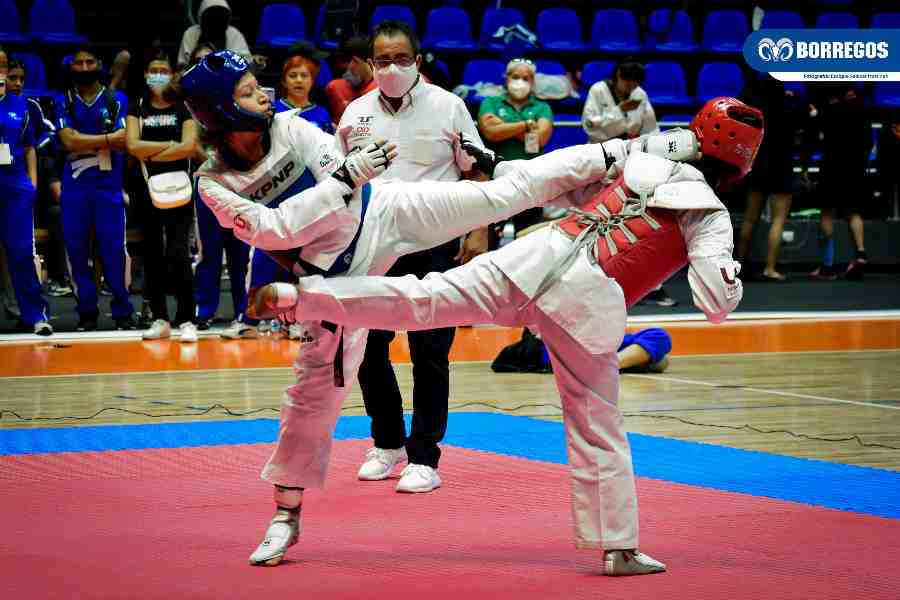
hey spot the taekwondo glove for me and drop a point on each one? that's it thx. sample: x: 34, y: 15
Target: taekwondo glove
x: 364, y: 164
x: 485, y: 160
x: 676, y: 144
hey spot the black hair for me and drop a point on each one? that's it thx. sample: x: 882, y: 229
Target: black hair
x: 193, y: 60
x: 15, y: 63
x: 86, y: 48
x: 157, y: 54
x: 358, y: 46
x: 391, y: 28
x: 629, y: 70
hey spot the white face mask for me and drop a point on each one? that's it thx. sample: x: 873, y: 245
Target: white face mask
x: 395, y: 81
x: 158, y: 80
x: 519, y: 88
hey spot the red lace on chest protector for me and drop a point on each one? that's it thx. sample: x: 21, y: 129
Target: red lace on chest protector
x: 637, y: 246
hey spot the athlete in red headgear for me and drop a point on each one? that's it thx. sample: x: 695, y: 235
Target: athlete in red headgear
x: 571, y: 283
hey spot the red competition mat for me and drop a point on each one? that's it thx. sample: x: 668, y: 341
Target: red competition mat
x: 176, y: 523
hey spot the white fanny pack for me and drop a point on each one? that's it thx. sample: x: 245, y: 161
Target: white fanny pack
x: 167, y: 190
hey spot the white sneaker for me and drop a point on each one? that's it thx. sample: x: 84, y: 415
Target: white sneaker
x: 188, y: 332
x: 630, y: 562
x: 295, y: 332
x: 43, y: 328
x: 160, y: 329
x: 239, y: 331
x: 418, y: 479
x: 282, y: 533
x: 380, y: 463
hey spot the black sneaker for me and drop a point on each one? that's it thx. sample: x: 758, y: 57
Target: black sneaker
x: 202, y: 324
x: 145, y: 320
x: 58, y: 290
x: 856, y: 270
x: 126, y: 323
x: 660, y: 298
x: 87, y: 323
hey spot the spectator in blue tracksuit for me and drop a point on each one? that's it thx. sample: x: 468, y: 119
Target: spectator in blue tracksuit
x: 213, y: 241
x: 18, y: 182
x: 92, y: 133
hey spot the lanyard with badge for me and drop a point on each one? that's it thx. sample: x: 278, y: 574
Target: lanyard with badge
x: 5, y: 152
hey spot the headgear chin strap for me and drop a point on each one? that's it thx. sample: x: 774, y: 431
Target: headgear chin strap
x: 209, y: 94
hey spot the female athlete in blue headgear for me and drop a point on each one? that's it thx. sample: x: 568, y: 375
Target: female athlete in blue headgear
x: 282, y: 185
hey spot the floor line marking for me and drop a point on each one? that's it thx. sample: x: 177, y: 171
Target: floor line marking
x: 765, y: 391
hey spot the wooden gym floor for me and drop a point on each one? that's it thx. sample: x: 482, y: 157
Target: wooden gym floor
x: 758, y: 384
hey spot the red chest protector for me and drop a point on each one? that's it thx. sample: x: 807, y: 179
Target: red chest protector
x: 637, y: 246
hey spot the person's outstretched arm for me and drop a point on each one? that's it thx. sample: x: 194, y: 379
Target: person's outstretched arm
x: 713, y: 273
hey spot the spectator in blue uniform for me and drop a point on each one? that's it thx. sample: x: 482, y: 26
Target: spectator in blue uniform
x: 298, y: 75
x: 92, y: 133
x: 18, y: 182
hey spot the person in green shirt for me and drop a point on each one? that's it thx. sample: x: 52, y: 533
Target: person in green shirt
x: 517, y: 125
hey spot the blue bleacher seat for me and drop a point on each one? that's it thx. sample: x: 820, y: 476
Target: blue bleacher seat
x: 564, y: 137
x: 670, y: 31
x: 494, y: 19
x: 448, y: 28
x: 666, y: 84
x: 837, y: 20
x: 594, y: 71
x: 10, y: 24
x: 560, y: 29
x: 615, y: 30
x: 397, y: 12
x: 485, y: 70
x: 549, y: 67
x: 281, y: 25
x: 320, y: 25
x: 719, y: 79
x: 35, y: 75
x: 53, y: 22
x: 886, y: 20
x: 725, y: 31
x: 887, y: 94
x: 782, y: 19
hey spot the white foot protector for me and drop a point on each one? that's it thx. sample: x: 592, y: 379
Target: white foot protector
x: 630, y: 562
x: 282, y: 533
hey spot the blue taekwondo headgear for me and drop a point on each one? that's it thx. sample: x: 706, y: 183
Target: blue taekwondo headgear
x: 209, y: 94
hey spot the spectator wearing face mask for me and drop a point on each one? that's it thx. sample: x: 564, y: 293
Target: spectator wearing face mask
x: 162, y: 134
x: 423, y: 120
x: 18, y: 183
x: 298, y: 75
x: 356, y: 80
x: 92, y: 133
x: 215, y: 30
x: 517, y: 125
x: 619, y: 107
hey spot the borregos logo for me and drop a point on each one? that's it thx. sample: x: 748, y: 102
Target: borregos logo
x: 825, y: 54
x: 771, y: 51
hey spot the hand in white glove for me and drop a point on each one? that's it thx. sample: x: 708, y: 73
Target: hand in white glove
x: 364, y: 164
x: 675, y: 144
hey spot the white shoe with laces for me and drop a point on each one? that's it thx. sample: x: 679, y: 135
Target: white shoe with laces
x: 160, y: 329
x: 188, y: 332
x: 418, y: 479
x: 239, y: 331
x: 283, y: 532
x: 630, y: 562
x: 380, y: 463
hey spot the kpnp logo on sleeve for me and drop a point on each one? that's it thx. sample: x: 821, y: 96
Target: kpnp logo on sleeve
x: 825, y: 54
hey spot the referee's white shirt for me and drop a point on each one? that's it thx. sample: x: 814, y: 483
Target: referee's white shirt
x: 422, y: 128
